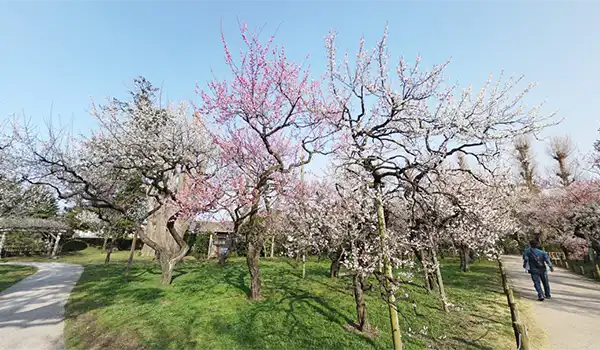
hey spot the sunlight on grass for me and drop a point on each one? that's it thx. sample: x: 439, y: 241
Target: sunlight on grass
x: 90, y: 255
x: 206, y: 308
x: 11, y: 274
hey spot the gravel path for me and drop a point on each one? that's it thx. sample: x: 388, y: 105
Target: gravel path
x: 31, y: 311
x: 571, y: 318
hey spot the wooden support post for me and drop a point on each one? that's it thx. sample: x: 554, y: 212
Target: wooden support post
x: 566, y: 264
x: 597, y: 271
x: 55, y: 249
x: 211, y: 250
x: 582, y: 270
x: 524, y: 337
x: 519, y: 329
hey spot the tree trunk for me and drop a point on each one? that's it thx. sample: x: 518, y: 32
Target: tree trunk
x: 104, y: 243
x: 56, y: 244
x: 427, y: 281
x: 131, y: 252
x: 334, y: 269
x: 167, y: 266
x: 472, y: 256
x: 440, y: 280
x: 590, y: 247
x: 362, y: 323
x: 253, y: 262
x: 222, y: 258
x: 156, y: 230
x: 388, y: 275
x: 111, y: 247
x: 272, y: 246
x: 465, y: 258
x: 420, y: 254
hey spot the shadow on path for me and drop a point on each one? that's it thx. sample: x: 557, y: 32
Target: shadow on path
x: 32, y: 310
x: 572, y: 317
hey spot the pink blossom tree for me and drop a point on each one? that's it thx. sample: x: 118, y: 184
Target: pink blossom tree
x: 569, y: 216
x: 269, y: 120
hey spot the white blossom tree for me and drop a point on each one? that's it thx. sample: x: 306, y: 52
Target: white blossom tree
x: 162, y: 147
x: 406, y: 121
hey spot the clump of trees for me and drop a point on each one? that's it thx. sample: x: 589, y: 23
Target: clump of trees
x: 392, y: 130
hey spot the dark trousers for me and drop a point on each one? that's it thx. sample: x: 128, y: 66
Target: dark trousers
x: 539, y: 278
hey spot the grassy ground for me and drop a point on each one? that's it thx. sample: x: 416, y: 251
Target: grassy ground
x: 206, y: 308
x: 91, y: 255
x: 11, y: 274
x: 588, y: 267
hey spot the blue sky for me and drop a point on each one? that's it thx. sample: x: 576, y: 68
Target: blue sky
x: 59, y: 54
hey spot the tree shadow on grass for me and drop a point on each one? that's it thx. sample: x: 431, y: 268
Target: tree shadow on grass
x: 236, y: 278
x: 469, y: 344
x: 177, y: 272
x: 100, y: 285
x: 292, y: 316
x: 476, y: 279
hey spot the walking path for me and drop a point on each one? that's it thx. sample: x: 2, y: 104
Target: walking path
x: 32, y: 310
x: 571, y: 318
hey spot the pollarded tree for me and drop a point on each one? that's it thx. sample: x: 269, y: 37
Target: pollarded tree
x: 526, y: 161
x: 393, y: 125
x: 562, y: 149
x: 595, y: 158
x: 163, y: 148
x: 269, y: 118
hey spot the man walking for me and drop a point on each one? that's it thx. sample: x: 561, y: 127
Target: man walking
x: 535, y: 261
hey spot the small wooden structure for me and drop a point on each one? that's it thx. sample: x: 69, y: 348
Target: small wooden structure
x: 221, y: 235
x: 51, y: 232
x: 558, y: 259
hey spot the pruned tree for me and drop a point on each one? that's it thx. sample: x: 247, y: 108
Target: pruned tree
x: 393, y: 125
x: 561, y: 149
x: 526, y: 160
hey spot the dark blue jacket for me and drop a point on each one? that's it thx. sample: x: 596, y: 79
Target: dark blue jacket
x: 537, y: 252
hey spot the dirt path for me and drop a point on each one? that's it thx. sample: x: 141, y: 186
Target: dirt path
x: 31, y: 311
x: 571, y: 318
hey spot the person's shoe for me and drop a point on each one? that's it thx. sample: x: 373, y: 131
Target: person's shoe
x: 548, y: 297
x: 540, y: 299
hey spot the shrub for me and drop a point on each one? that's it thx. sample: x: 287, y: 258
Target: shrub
x: 74, y: 245
x: 199, y: 244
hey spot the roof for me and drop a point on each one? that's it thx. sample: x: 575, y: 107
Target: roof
x: 214, y: 226
x: 15, y: 223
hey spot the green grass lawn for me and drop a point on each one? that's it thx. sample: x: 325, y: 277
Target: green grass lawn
x: 588, y: 267
x: 206, y: 308
x: 11, y: 274
x: 91, y: 255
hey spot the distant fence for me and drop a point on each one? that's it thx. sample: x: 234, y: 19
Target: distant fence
x: 588, y: 269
